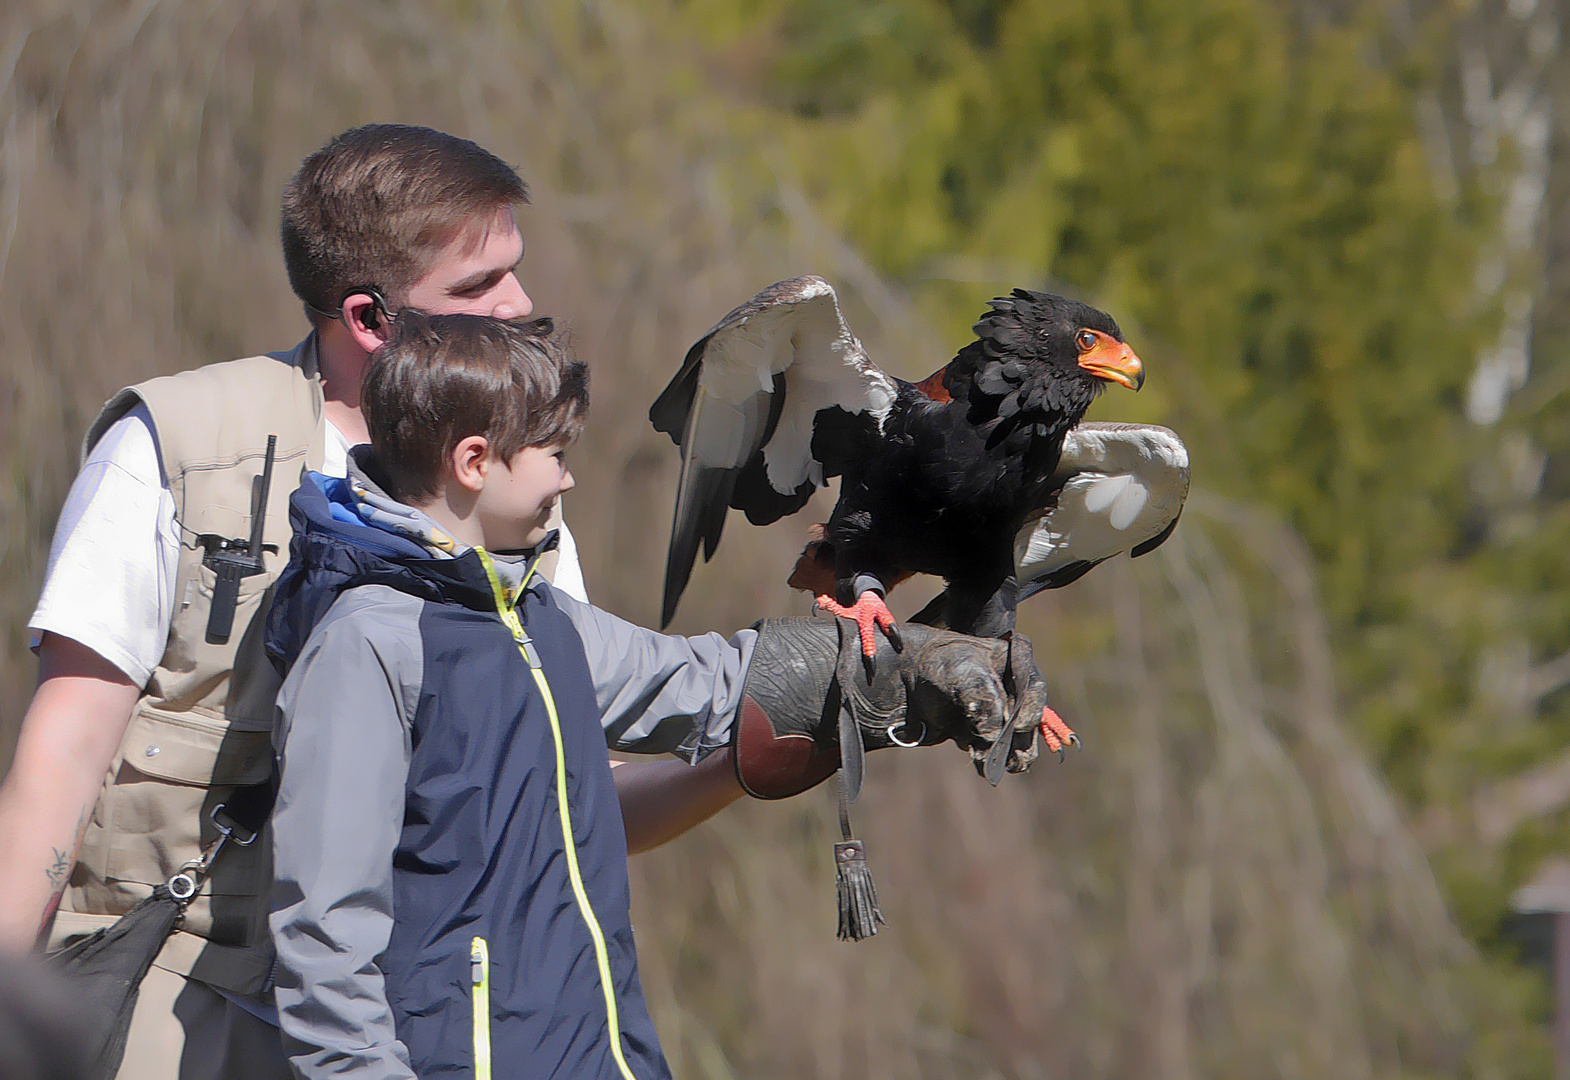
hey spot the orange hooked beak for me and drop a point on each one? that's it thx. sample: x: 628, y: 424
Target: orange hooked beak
x: 1110, y: 359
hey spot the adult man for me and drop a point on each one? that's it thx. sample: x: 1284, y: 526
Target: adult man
x: 153, y: 706
x: 144, y: 717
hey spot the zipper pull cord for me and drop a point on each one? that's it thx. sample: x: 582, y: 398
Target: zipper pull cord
x: 507, y: 605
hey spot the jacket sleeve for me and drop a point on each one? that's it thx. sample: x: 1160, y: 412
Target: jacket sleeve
x: 342, y: 738
x: 659, y: 693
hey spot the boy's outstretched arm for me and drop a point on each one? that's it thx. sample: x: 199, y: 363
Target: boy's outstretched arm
x: 660, y: 800
x: 684, y: 695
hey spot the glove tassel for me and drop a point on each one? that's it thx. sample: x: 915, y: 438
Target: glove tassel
x: 858, y: 896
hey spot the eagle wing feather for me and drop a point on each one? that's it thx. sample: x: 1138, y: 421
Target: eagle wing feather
x: 1117, y: 488
x: 744, y: 408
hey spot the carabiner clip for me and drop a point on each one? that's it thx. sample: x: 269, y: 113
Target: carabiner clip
x: 184, y: 884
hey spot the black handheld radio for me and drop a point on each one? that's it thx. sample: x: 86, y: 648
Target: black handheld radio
x: 231, y: 561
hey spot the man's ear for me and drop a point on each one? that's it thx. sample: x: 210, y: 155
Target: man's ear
x: 470, y: 461
x: 364, y: 320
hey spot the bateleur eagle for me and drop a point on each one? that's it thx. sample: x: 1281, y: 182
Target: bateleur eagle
x: 981, y: 473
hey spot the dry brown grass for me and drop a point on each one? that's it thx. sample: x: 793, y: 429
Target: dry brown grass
x: 1218, y: 886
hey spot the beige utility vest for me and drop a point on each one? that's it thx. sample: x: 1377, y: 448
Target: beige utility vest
x: 203, y: 725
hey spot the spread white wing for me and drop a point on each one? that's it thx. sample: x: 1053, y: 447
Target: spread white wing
x: 1122, y: 489
x: 743, y: 409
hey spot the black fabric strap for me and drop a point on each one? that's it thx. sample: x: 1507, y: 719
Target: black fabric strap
x: 246, y: 809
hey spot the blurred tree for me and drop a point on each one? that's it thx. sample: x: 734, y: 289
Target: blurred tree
x: 1322, y: 224
x: 1253, y: 202
x: 1221, y: 885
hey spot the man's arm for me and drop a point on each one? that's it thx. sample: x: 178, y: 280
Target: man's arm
x: 69, y: 735
x: 102, y: 620
x: 660, y: 800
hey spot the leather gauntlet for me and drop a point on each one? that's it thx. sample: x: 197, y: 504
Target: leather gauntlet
x: 941, y: 686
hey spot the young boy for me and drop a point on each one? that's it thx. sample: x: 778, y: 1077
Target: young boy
x: 450, y: 866
x: 440, y: 735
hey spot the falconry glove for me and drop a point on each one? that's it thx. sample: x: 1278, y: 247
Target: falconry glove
x: 806, y: 713
x: 940, y: 687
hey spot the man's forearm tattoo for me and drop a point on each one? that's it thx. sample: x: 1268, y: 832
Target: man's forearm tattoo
x: 59, y: 868
x: 58, y: 872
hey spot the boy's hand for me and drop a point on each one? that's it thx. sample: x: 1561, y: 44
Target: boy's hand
x: 940, y: 687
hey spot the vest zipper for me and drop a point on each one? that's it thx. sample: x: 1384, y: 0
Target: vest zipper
x: 505, y: 604
x: 480, y: 986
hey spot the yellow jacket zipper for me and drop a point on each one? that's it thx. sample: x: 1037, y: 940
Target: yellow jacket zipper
x: 505, y: 602
x: 480, y: 985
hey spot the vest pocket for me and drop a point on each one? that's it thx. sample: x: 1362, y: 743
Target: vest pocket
x: 480, y: 987
x: 193, y: 749
x: 232, y: 680
x: 173, y: 771
x: 152, y: 816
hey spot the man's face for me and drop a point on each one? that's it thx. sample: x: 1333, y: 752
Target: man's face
x: 519, y: 495
x: 475, y: 274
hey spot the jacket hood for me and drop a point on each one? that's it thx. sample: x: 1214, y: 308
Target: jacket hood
x: 349, y: 532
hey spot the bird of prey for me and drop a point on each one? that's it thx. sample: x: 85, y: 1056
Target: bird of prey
x: 981, y: 474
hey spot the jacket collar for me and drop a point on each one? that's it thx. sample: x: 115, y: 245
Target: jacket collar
x: 375, y: 508
x: 343, y: 539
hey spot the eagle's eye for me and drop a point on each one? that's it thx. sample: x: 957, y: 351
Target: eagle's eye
x: 1086, y: 340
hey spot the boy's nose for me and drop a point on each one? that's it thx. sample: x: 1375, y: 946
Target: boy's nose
x: 567, y: 482
x: 511, y: 301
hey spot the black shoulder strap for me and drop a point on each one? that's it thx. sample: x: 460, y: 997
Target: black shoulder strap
x: 246, y: 809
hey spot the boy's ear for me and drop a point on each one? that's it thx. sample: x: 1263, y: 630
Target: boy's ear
x: 470, y: 460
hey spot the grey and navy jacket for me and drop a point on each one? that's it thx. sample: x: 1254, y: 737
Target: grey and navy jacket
x: 426, y: 904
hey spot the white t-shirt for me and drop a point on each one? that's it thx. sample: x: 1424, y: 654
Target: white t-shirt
x: 111, y: 575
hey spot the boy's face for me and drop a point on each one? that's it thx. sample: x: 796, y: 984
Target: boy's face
x: 519, y: 495
x: 475, y: 274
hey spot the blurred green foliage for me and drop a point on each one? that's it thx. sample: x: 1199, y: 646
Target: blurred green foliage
x: 1220, y: 885
x: 1252, y: 203
x: 1250, y: 194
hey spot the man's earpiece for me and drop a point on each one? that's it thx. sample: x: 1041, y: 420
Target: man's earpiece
x: 371, y: 316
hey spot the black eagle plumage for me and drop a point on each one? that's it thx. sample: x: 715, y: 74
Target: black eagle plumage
x: 982, y: 473
x: 948, y: 476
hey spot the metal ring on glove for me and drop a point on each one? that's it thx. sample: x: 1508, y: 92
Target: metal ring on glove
x: 897, y: 741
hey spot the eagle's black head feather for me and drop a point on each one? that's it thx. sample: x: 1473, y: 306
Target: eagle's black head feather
x: 1024, y: 366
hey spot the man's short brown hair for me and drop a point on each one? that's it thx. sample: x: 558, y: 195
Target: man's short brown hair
x: 373, y: 206
x: 442, y: 378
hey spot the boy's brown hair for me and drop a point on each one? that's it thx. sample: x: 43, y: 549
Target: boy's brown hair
x: 372, y: 207
x: 442, y: 378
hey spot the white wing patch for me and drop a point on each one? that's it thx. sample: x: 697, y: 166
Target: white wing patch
x: 798, y: 332
x: 722, y: 431
x: 1120, y: 497
x: 1122, y: 485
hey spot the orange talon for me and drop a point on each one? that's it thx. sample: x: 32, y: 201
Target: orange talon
x: 868, y: 611
x: 1056, y: 733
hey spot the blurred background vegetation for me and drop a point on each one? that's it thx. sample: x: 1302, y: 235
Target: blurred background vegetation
x: 1326, y: 727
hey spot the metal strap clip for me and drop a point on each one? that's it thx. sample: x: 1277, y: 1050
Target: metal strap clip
x: 189, y: 878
